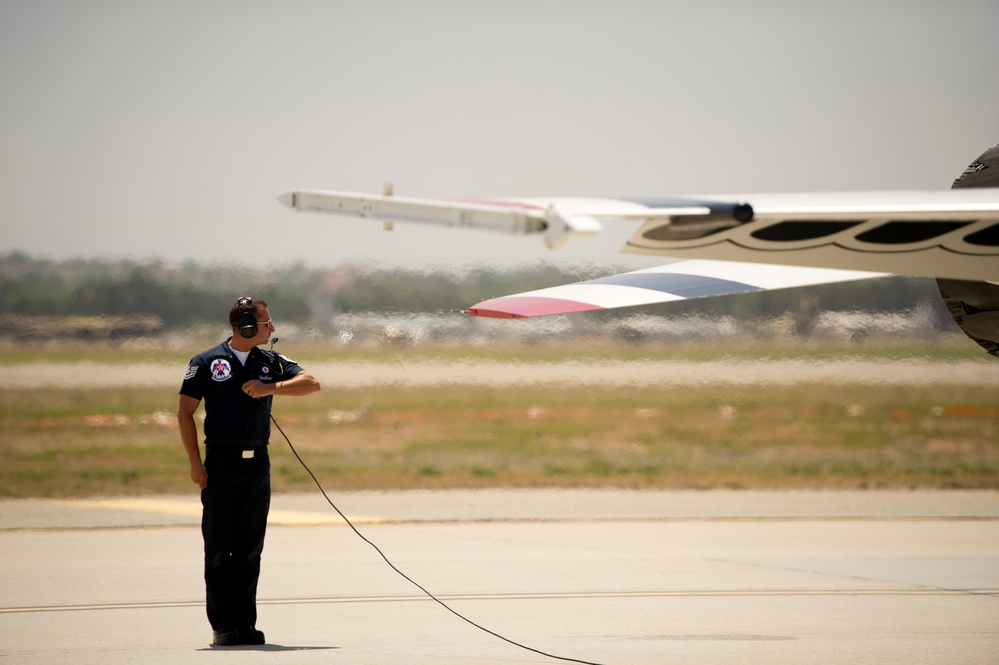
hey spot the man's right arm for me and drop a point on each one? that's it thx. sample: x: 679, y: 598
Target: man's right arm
x: 189, y: 436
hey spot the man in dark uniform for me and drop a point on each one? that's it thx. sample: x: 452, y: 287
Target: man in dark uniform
x: 237, y: 381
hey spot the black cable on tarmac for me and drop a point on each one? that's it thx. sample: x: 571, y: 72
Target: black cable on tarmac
x: 407, y: 577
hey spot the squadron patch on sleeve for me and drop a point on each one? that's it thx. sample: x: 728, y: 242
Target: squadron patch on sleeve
x: 191, y: 372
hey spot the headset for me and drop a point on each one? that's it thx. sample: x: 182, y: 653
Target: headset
x: 247, y: 319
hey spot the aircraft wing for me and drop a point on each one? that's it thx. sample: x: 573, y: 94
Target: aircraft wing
x: 952, y: 235
x: 947, y: 233
x: 676, y: 281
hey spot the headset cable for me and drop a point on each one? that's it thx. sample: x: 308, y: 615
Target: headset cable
x: 407, y: 577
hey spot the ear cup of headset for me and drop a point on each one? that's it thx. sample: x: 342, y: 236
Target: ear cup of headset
x: 247, y: 324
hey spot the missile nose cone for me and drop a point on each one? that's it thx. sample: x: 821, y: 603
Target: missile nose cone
x: 288, y: 199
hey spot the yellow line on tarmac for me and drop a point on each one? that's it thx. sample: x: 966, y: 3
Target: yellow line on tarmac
x: 184, y: 508
x: 167, y: 506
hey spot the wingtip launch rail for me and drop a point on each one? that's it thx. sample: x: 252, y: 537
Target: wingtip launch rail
x: 557, y: 220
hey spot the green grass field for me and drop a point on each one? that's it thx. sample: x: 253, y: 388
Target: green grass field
x: 74, y: 442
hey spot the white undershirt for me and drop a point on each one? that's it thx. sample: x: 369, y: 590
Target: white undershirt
x: 242, y: 355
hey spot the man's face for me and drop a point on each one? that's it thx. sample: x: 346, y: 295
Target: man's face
x: 264, y: 326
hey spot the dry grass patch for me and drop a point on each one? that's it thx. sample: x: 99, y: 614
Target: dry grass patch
x: 76, y: 442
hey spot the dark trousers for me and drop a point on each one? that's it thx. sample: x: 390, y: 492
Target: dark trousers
x: 233, y: 522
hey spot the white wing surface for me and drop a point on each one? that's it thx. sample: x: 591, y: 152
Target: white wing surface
x: 950, y: 233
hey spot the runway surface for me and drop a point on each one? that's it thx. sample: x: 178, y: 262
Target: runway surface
x: 613, y: 577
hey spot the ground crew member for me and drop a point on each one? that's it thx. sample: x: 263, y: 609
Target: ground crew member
x: 237, y: 381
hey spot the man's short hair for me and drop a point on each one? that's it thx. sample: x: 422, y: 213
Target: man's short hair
x: 242, y: 306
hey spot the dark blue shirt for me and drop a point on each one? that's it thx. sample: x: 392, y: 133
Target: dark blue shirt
x: 232, y: 418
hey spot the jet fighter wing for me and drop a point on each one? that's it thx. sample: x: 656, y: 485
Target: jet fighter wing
x: 676, y: 281
x: 952, y: 235
x: 948, y: 233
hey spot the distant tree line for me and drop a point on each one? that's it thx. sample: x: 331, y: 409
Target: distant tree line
x: 183, y: 294
x: 44, y: 288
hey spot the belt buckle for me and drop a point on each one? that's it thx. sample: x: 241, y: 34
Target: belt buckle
x: 248, y: 454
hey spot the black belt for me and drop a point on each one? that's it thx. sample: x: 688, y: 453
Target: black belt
x: 230, y: 452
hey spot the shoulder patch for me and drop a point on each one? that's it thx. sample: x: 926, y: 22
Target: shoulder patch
x: 191, y: 372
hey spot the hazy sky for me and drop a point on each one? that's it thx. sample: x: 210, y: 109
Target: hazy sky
x: 168, y: 129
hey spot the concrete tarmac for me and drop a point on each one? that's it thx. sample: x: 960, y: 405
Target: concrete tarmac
x: 612, y: 577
